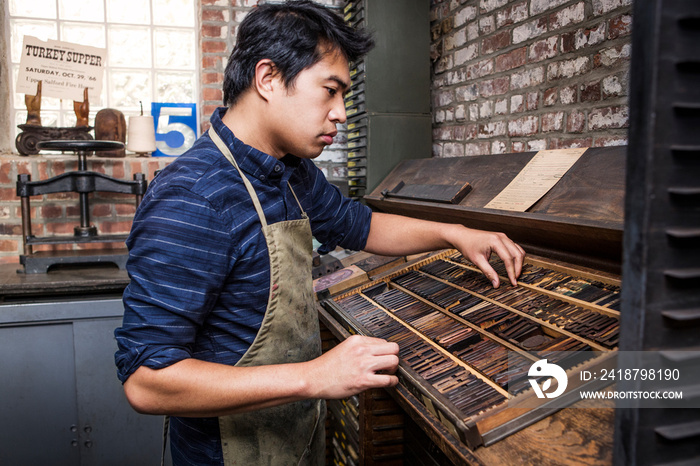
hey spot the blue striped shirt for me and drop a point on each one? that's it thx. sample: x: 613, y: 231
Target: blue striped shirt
x: 199, y: 267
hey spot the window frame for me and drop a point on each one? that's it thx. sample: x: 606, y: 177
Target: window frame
x: 63, y: 110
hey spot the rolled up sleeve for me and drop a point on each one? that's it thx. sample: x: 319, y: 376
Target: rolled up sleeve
x: 335, y: 219
x: 180, y: 253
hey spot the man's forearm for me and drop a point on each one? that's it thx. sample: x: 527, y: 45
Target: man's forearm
x: 198, y: 388
x: 204, y: 389
x: 394, y: 235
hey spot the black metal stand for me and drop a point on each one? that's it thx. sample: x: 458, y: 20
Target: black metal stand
x: 83, y: 182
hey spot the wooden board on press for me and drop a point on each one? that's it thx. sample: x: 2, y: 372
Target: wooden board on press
x: 341, y: 280
x: 372, y: 263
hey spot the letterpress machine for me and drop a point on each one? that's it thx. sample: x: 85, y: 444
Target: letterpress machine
x: 83, y: 182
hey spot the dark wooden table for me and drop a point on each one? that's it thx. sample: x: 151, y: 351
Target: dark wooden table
x: 70, y: 280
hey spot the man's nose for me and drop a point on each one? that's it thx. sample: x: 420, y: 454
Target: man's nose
x: 337, y: 113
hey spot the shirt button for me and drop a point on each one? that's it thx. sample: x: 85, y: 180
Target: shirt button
x: 262, y: 177
x: 278, y: 168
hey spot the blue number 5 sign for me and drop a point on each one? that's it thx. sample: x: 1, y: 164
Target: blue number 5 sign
x: 176, y: 127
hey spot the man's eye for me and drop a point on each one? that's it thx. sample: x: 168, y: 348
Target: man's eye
x: 331, y: 91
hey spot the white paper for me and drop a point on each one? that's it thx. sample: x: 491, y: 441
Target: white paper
x: 64, y: 69
x: 536, y: 178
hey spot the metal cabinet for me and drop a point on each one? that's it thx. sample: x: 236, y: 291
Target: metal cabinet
x: 388, y: 104
x: 62, y: 403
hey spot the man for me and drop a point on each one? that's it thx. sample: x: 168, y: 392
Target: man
x: 219, y: 328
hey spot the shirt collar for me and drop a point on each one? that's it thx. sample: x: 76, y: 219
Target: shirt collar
x: 256, y: 163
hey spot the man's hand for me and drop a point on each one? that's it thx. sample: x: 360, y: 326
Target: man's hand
x: 204, y: 389
x: 477, y: 246
x: 355, y: 365
x: 394, y: 235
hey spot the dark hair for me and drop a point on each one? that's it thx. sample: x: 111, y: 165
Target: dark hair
x: 295, y: 35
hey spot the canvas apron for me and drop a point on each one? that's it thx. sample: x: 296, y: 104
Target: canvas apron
x: 293, y: 433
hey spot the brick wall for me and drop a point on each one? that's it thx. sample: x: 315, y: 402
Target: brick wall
x: 508, y: 76
x: 57, y: 214
x: 521, y: 75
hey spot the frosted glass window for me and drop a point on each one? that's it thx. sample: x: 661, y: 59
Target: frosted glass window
x: 176, y: 87
x: 129, y: 46
x: 129, y: 11
x: 69, y: 118
x: 174, y: 48
x: 173, y: 12
x: 152, y: 51
x: 81, y: 10
x: 84, y: 33
x: 43, y: 30
x: 129, y: 87
x: 47, y: 118
x: 33, y: 8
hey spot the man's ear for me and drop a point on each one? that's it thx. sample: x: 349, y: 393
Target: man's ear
x: 266, y: 78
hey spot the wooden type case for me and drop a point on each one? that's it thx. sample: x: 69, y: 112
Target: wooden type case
x: 455, y: 323
x: 575, y: 229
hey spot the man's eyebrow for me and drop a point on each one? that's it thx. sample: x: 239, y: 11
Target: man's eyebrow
x: 340, y: 82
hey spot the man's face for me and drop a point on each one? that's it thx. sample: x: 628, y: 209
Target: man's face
x: 303, y: 117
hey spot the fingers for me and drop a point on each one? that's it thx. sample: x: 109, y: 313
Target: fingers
x: 512, y: 256
x: 374, y: 346
x: 479, y: 252
x: 483, y: 263
x: 382, y: 347
x: 369, y: 362
x: 386, y: 364
x: 384, y: 380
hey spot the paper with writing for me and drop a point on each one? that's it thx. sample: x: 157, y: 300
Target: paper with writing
x: 540, y: 174
x: 64, y: 69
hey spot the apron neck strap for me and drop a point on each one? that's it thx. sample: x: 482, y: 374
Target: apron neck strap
x: 229, y: 156
x: 303, y: 214
x: 227, y: 153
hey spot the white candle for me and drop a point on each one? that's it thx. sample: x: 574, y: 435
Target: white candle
x: 141, y: 134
